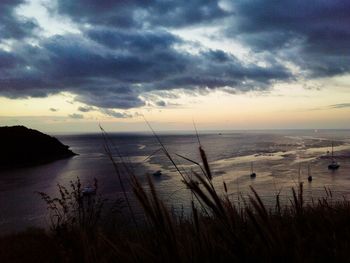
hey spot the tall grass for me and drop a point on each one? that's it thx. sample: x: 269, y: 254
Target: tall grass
x: 71, y: 209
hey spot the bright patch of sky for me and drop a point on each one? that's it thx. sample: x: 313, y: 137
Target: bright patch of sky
x: 43, y: 11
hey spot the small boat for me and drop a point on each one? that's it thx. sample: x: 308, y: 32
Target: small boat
x: 334, y: 165
x: 309, y: 177
x: 252, y: 174
x: 157, y: 173
x: 88, y: 191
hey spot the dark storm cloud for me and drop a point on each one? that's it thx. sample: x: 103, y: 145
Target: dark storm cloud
x: 7, y: 60
x: 215, y: 69
x: 106, y: 74
x: 134, y: 41
x: 315, y: 35
x: 110, y: 97
x: 79, y: 58
x: 11, y: 25
x: 128, y: 50
x: 142, y: 13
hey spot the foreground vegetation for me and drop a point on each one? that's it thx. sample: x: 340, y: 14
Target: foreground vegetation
x: 84, y: 229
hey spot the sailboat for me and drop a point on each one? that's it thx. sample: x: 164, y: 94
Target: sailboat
x: 157, y: 173
x: 334, y: 164
x: 252, y: 174
x: 309, y: 177
x: 88, y: 191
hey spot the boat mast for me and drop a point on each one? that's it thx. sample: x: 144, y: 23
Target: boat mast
x: 309, y: 177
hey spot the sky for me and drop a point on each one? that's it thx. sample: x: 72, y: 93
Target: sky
x: 68, y: 66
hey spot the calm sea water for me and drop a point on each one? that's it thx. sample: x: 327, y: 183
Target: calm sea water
x: 280, y: 160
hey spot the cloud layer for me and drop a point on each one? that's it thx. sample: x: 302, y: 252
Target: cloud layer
x: 126, y: 49
x: 312, y: 34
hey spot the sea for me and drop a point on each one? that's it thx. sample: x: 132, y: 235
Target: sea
x: 281, y: 159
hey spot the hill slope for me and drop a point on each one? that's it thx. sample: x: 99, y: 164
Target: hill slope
x: 20, y: 146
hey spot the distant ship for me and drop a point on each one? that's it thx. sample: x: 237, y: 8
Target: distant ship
x: 252, y: 174
x: 334, y: 164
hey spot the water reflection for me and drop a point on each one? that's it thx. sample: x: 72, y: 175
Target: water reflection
x: 277, y: 157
